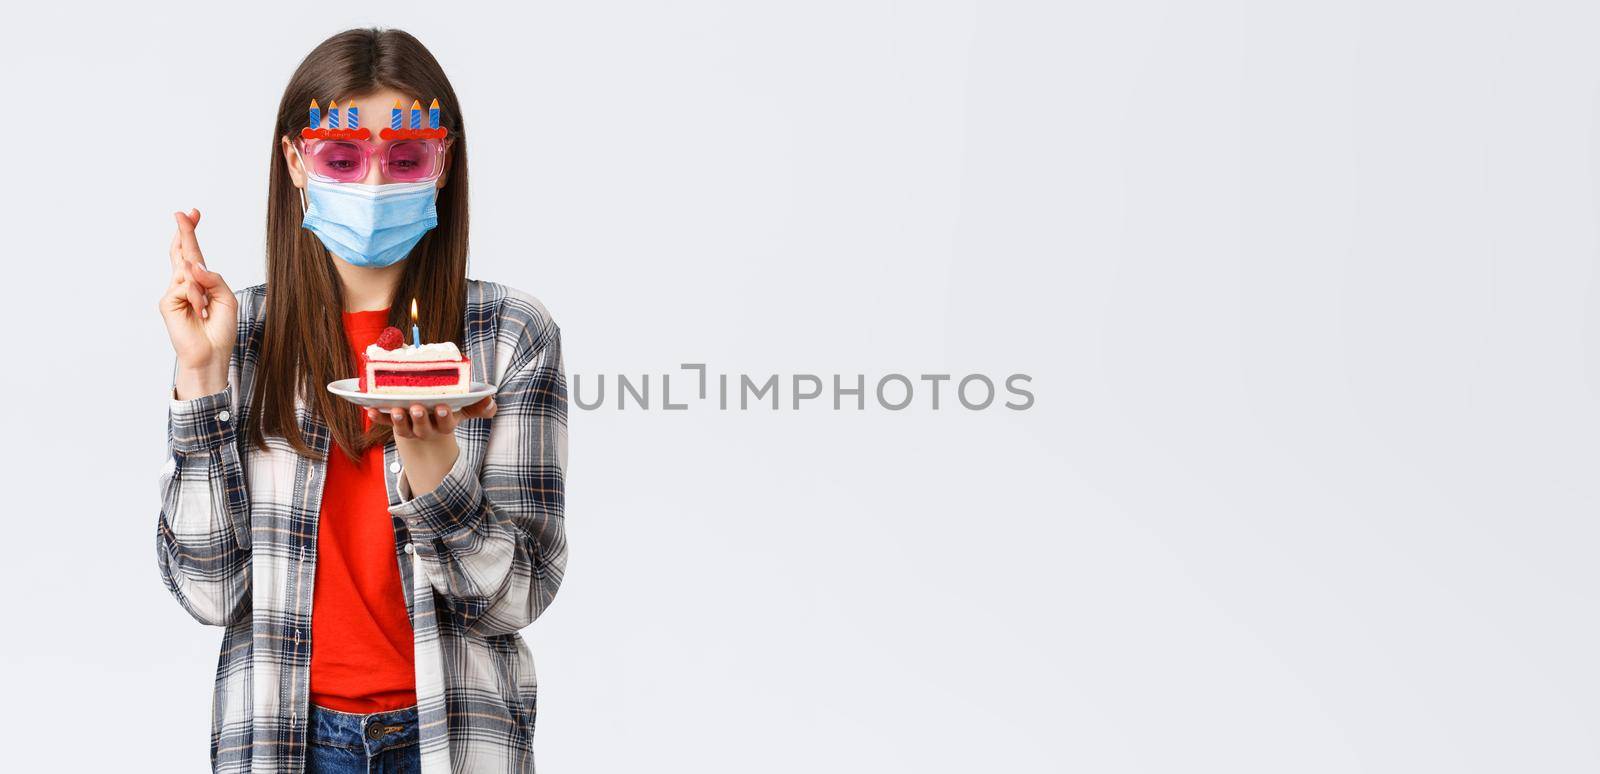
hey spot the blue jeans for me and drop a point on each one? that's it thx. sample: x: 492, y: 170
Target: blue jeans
x: 376, y: 743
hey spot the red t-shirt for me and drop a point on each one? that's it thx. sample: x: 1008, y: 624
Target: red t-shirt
x: 361, y: 639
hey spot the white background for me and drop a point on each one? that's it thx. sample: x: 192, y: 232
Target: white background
x: 1306, y: 290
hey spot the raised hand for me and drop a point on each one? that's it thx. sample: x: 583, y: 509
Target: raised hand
x: 201, y: 314
x: 425, y: 439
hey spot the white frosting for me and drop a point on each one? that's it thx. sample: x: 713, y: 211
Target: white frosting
x: 444, y: 350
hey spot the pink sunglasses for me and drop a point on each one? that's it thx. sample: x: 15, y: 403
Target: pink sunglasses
x: 347, y: 161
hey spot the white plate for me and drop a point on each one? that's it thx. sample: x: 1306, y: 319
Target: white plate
x: 350, y: 390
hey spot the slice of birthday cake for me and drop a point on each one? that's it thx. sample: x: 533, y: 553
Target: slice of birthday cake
x: 389, y: 366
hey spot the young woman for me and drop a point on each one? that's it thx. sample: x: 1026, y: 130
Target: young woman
x: 371, y: 569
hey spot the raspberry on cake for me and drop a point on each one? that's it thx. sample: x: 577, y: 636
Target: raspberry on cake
x: 389, y: 366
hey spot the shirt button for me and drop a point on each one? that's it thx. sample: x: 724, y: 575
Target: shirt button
x: 394, y: 467
x: 223, y: 415
x: 409, y: 549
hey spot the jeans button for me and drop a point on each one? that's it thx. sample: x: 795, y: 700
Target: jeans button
x: 375, y: 731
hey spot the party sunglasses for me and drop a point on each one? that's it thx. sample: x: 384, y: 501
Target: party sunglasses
x: 347, y: 161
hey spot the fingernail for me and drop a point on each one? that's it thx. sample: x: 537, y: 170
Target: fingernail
x: 442, y: 411
x: 204, y: 315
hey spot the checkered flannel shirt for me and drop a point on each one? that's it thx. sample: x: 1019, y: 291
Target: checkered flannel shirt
x: 480, y: 556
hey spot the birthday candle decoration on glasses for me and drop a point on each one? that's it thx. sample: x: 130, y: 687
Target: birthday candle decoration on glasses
x: 394, y: 116
x: 316, y: 115
x: 416, y: 114
x: 333, y: 114
x: 352, y: 119
x: 433, y: 114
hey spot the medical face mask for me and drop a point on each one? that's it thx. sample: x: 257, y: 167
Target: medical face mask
x: 370, y: 225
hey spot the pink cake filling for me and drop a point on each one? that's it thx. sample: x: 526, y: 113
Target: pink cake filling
x: 429, y: 378
x: 419, y: 377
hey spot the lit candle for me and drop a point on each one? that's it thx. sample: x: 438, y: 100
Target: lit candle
x: 352, y: 119
x: 416, y: 114
x: 333, y: 115
x: 316, y: 115
x: 433, y: 115
x: 416, y: 337
x: 394, y: 116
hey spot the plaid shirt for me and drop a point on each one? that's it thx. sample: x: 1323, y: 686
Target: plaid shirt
x: 480, y: 556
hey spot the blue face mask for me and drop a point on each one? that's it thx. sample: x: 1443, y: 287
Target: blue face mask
x: 370, y: 225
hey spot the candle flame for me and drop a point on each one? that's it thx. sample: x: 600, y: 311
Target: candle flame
x: 413, y: 311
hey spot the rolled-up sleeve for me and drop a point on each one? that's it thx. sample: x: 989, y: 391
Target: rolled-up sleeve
x: 203, y: 531
x: 492, y: 535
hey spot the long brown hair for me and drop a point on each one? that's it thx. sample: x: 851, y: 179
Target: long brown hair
x: 303, y: 346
